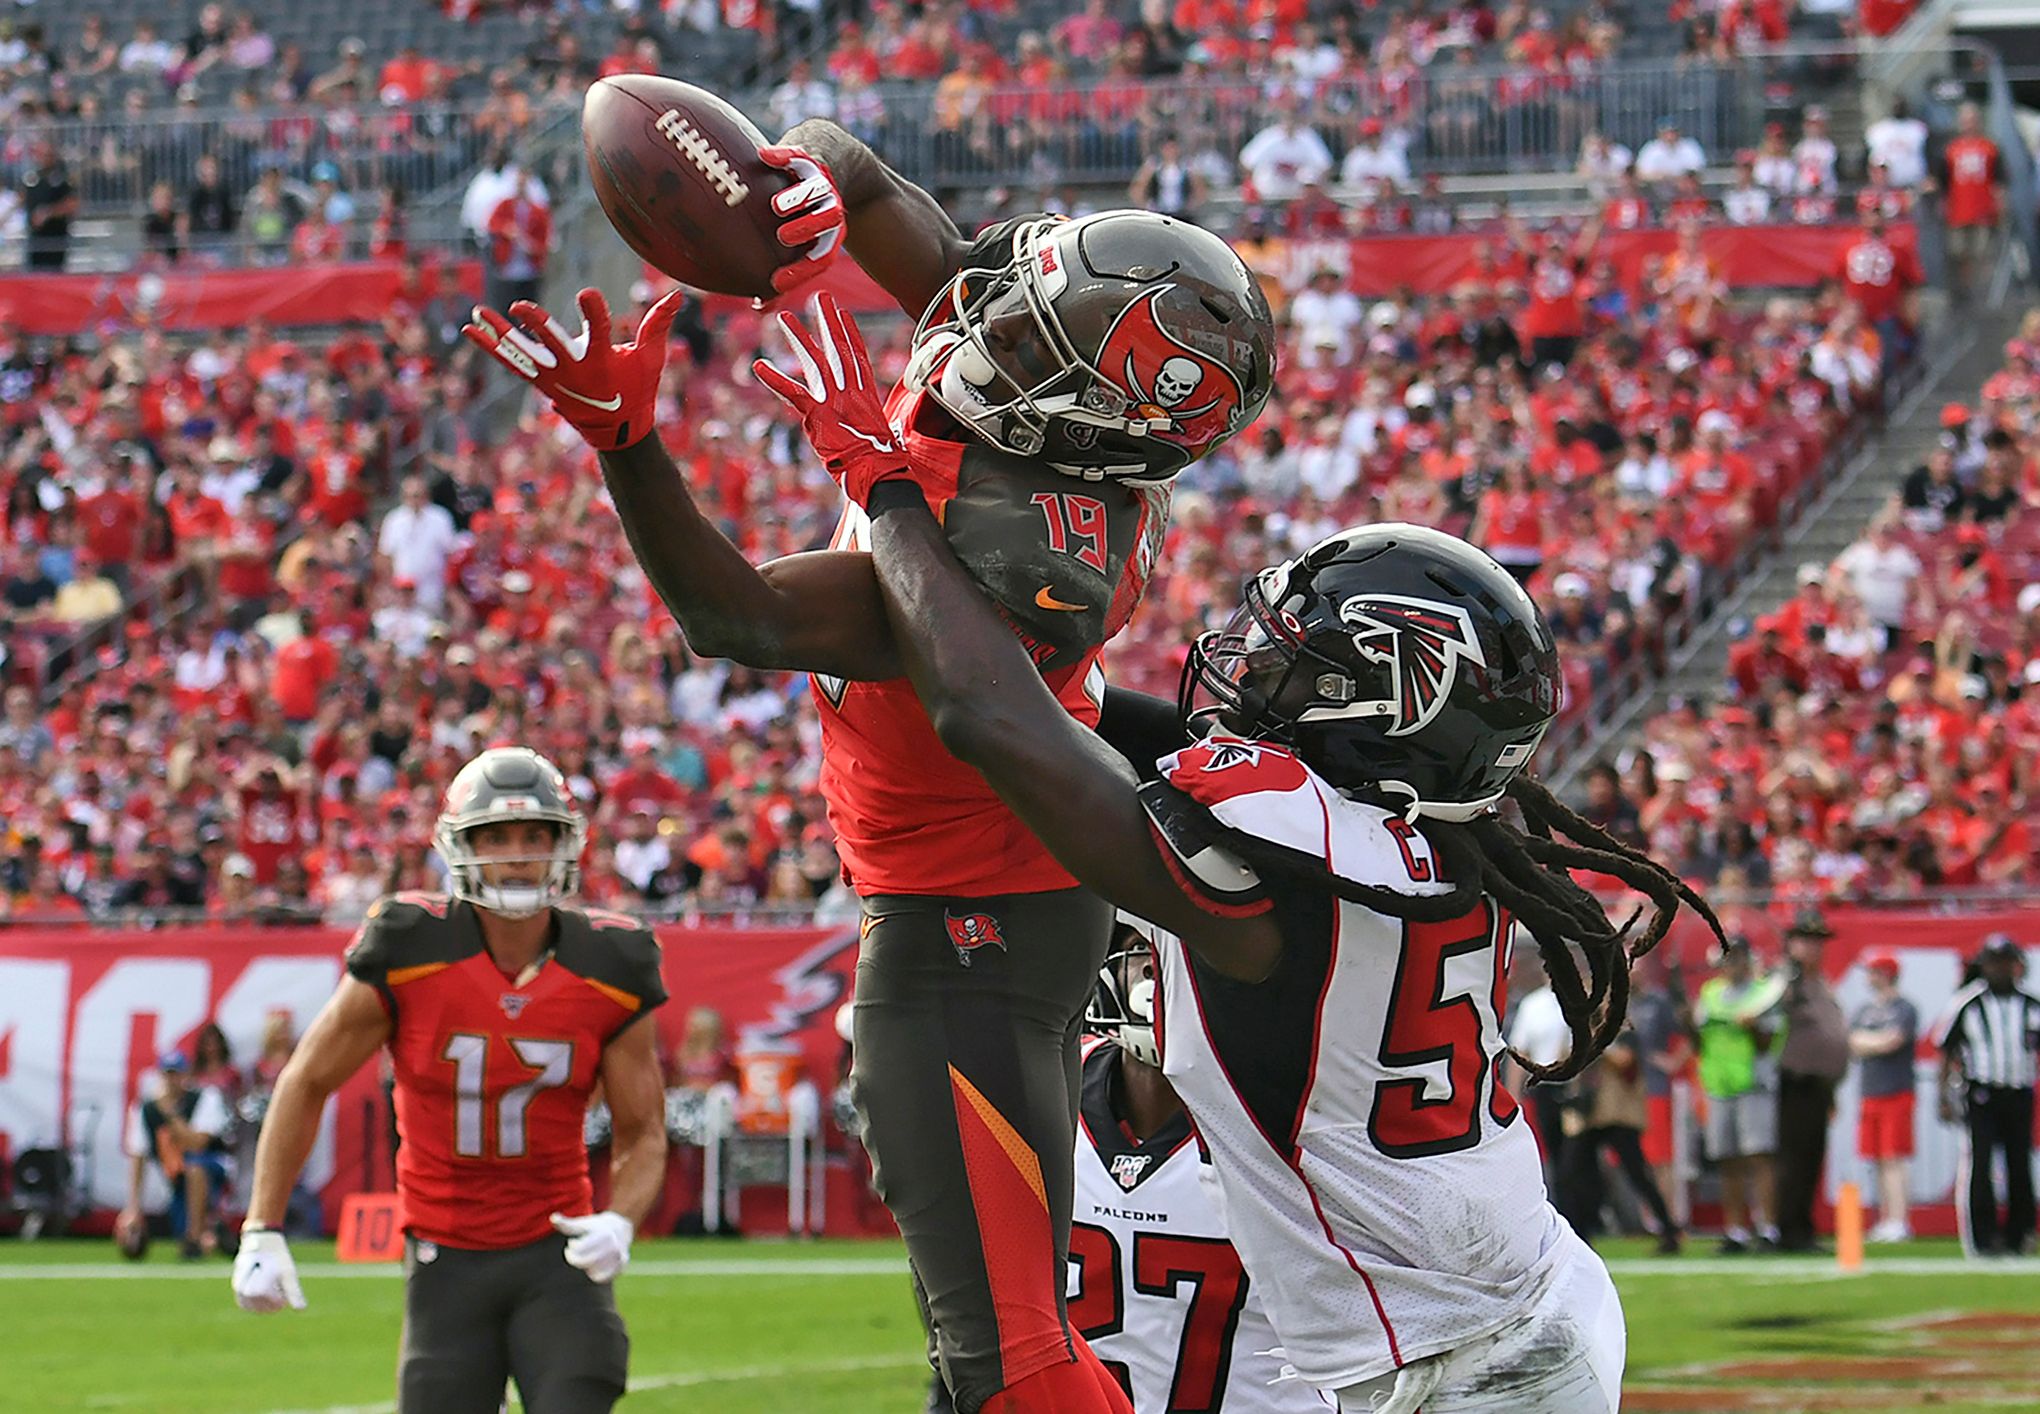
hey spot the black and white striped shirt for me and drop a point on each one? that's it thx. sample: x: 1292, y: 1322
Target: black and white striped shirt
x: 1993, y: 1035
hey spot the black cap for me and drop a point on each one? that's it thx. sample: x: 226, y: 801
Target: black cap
x: 2000, y: 945
x: 1809, y: 923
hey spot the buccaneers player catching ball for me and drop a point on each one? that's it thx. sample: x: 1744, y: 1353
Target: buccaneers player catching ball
x: 502, y: 1008
x: 1060, y: 375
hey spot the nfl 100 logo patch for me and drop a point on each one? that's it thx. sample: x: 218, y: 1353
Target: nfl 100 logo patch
x: 1128, y: 1169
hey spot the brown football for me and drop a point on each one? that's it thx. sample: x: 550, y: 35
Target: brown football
x: 678, y: 172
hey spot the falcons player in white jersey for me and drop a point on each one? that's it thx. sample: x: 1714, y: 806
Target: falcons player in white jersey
x: 1155, y: 1284
x: 1331, y: 884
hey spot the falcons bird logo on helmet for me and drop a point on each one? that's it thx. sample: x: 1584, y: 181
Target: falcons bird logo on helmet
x: 1422, y: 643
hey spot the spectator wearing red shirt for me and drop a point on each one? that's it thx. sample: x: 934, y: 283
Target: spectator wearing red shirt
x: 271, y: 817
x: 1970, y: 177
x: 1557, y: 313
x: 1628, y: 209
x: 1881, y: 277
x: 246, y: 552
x: 299, y: 672
x: 110, y: 523
x: 520, y: 241
x: 642, y: 785
x: 196, y: 519
x: 1510, y: 524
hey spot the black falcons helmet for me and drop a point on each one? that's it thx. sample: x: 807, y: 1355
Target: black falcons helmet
x: 1394, y: 659
x: 1126, y: 344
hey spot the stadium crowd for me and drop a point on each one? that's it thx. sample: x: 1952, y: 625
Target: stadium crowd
x: 1877, y: 733
x: 260, y: 755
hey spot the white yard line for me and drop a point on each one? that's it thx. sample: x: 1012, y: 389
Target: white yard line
x: 691, y: 1379
x: 382, y: 1271
x: 1754, y: 1268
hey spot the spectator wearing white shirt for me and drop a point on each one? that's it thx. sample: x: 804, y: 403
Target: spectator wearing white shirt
x: 418, y: 537
x: 1375, y: 155
x: 1326, y: 318
x: 1748, y: 202
x: 1881, y: 571
x: 1669, y: 156
x: 401, y: 623
x: 1842, y: 361
x: 1814, y: 155
x: 1601, y: 163
x: 642, y: 854
x: 801, y: 97
x: 499, y: 179
x: 1539, y: 1034
x: 1900, y: 143
x: 146, y: 54
x: 1280, y: 158
x: 1774, y: 168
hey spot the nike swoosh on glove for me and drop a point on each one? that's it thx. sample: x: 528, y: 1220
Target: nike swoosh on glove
x: 810, y: 214
x: 265, y: 1277
x: 606, y: 390
x: 598, y: 1244
x: 841, y: 407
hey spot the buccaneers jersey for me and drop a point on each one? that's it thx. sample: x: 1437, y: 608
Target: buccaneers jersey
x: 1155, y: 1286
x: 493, y: 1076
x: 1066, y: 561
x: 1379, y: 1181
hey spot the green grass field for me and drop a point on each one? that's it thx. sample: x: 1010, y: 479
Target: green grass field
x: 744, y: 1328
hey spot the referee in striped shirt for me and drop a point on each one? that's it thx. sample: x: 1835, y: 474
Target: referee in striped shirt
x: 1988, y: 1038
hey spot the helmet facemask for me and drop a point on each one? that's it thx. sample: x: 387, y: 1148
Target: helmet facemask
x: 1123, y: 1006
x: 1292, y: 669
x: 468, y: 868
x: 993, y: 352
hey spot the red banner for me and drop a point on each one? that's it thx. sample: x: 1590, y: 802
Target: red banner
x: 1749, y: 257
x: 213, y: 299
x: 83, y: 1014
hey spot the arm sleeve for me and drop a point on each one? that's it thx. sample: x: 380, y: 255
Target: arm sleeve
x: 368, y: 956
x: 1142, y: 728
x: 1211, y: 876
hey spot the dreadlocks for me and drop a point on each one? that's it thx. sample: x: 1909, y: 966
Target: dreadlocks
x: 1527, y: 869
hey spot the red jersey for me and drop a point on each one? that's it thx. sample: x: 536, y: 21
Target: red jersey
x: 1972, y: 166
x: 1557, y: 309
x: 1067, y: 562
x: 493, y: 1074
x: 1877, y: 274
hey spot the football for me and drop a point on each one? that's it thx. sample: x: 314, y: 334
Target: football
x: 678, y: 173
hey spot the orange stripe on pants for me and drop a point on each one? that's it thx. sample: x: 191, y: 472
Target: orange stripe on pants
x: 1014, y: 1232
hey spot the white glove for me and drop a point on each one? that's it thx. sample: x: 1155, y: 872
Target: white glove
x: 265, y: 1278
x: 598, y: 1244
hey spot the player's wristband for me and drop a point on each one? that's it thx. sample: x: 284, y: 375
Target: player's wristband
x: 898, y: 494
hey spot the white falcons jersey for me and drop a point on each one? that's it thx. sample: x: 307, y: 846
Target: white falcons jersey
x: 1154, y: 1285
x: 1379, y: 1182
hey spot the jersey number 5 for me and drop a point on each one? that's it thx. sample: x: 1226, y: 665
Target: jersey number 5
x: 469, y: 1053
x: 1161, y: 1265
x: 1425, y: 1027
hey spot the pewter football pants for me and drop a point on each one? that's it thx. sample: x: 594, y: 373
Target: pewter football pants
x: 965, y: 1068
x: 473, y: 1320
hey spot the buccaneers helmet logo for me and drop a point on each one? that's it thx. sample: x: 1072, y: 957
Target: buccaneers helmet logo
x: 1165, y: 377
x: 1422, y: 644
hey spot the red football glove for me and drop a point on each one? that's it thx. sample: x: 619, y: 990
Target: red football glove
x: 605, y: 390
x: 810, y: 214
x: 840, y: 405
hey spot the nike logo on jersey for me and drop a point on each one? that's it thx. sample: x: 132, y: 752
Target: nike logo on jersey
x: 1045, y: 598
x: 615, y: 400
x: 870, y: 441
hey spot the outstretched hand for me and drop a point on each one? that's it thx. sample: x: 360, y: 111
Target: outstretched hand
x: 838, y: 401
x: 605, y: 390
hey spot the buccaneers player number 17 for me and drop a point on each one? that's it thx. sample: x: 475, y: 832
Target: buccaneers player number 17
x: 501, y: 1007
